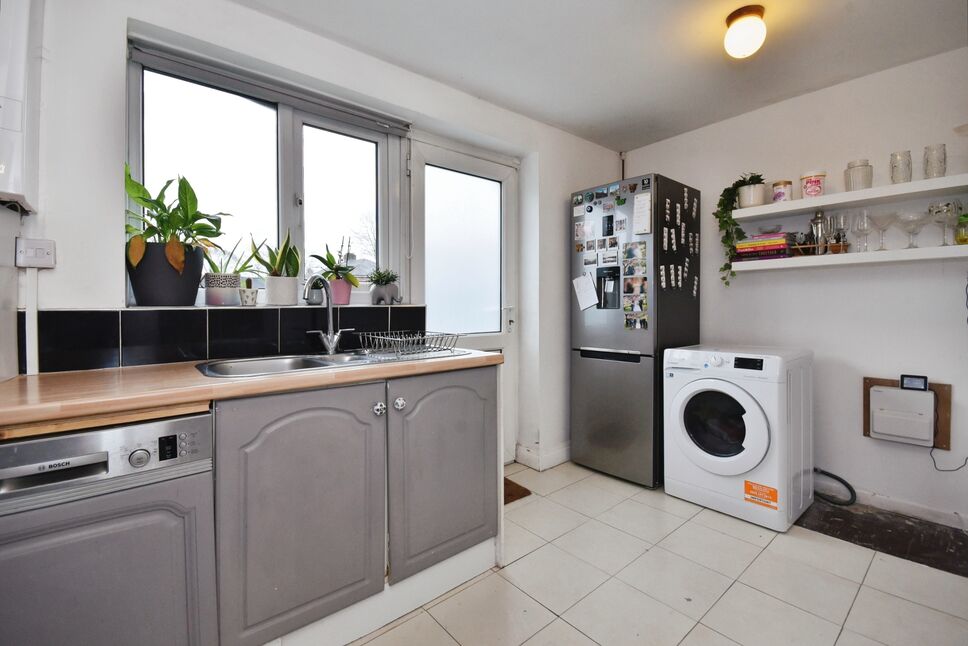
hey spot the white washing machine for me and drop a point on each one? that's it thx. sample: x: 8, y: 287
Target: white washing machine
x: 738, y: 431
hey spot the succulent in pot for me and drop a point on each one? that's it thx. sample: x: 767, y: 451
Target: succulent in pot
x: 166, y: 243
x: 339, y: 274
x: 223, y: 281
x: 383, y: 287
x: 281, y: 267
x: 751, y: 191
x: 248, y: 293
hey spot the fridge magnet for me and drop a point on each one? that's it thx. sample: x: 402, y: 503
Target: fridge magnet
x: 577, y: 199
x: 590, y: 259
x: 632, y: 187
x: 612, y: 243
x: 601, y: 244
x: 646, y: 183
x: 589, y: 208
x: 678, y: 214
x: 695, y: 286
x: 590, y: 245
x: 608, y: 207
x: 685, y: 195
x: 608, y: 225
x: 697, y: 244
x: 636, y: 322
x: 633, y: 304
x: 668, y: 210
x: 601, y: 192
x: 695, y: 207
x: 589, y: 196
x: 633, y: 268
x: 682, y: 235
x: 632, y: 250
x: 613, y: 189
x: 620, y: 224
x: 642, y: 213
x: 672, y: 238
x: 662, y: 277
x: 577, y: 211
x: 585, y: 291
x: 691, y: 247
x: 579, y: 247
x: 665, y: 238
x: 609, y: 258
x: 679, y: 268
x: 634, y: 285
x: 620, y: 201
x: 580, y: 230
x: 686, y: 270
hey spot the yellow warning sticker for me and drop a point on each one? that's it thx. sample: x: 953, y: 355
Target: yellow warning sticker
x: 762, y: 495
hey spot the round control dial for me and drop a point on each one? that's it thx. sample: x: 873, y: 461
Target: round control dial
x: 715, y: 360
x: 139, y: 458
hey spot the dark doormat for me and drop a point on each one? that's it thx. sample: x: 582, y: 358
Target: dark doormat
x: 921, y: 541
x: 513, y: 491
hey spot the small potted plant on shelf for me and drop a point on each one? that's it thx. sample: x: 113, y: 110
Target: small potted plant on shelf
x: 223, y: 282
x: 383, y: 286
x: 165, y: 249
x: 315, y: 292
x: 248, y: 293
x: 339, y: 274
x: 282, y: 272
x: 752, y: 190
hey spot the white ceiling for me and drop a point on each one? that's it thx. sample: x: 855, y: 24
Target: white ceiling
x: 625, y: 73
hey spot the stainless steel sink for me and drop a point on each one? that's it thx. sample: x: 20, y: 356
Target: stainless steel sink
x: 260, y: 366
x: 349, y: 358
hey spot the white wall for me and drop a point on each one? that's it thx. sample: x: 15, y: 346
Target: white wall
x: 83, y: 150
x: 878, y: 320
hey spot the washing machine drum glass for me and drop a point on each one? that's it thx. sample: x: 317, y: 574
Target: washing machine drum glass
x: 714, y: 421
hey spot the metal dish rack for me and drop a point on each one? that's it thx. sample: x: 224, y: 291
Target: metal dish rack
x: 406, y: 343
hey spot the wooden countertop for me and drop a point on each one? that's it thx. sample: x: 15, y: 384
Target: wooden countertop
x: 62, y: 401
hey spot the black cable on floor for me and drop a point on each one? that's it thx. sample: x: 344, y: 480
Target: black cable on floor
x: 836, y: 501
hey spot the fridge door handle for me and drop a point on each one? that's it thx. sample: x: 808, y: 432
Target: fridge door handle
x: 627, y: 356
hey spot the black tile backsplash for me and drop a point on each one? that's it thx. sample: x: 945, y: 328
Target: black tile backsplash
x: 163, y: 336
x: 87, y: 339
x: 236, y: 333
x: 78, y: 340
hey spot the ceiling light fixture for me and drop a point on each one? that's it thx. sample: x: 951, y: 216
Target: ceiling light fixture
x: 745, y: 31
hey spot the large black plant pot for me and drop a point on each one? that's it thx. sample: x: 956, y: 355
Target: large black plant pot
x: 155, y: 282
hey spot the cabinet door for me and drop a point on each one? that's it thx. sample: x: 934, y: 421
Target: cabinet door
x: 135, y: 566
x: 442, y: 466
x: 300, y: 505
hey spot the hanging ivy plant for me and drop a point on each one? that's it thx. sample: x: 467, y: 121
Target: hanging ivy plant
x: 730, y: 228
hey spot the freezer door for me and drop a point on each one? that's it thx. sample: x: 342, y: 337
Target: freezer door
x: 612, y: 414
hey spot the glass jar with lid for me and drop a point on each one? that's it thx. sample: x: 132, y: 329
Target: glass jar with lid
x: 961, y: 230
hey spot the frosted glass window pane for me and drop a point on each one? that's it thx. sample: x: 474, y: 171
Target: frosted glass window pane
x: 340, y: 197
x: 463, y: 252
x: 224, y: 144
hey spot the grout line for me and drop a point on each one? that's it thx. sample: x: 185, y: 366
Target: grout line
x: 917, y: 603
x: 442, y: 627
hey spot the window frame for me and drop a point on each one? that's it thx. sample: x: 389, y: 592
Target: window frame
x: 293, y: 109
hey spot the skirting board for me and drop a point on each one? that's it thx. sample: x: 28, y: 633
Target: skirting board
x: 949, y: 518
x: 541, y: 459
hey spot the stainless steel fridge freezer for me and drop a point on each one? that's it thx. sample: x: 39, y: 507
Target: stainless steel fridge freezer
x: 635, y: 257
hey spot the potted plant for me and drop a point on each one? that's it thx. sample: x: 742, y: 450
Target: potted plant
x: 164, y: 255
x: 315, y: 292
x: 282, y: 272
x: 730, y: 228
x: 383, y: 287
x: 752, y: 190
x: 339, y: 274
x: 248, y: 293
x: 223, y: 282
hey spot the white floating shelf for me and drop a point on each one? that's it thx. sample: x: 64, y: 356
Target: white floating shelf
x: 937, y: 187
x: 854, y: 258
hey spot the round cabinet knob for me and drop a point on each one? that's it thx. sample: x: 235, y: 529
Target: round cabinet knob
x: 399, y: 403
x: 379, y: 409
x: 716, y: 360
x: 139, y: 458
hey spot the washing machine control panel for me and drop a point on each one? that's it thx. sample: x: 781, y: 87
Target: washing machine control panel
x: 746, y: 365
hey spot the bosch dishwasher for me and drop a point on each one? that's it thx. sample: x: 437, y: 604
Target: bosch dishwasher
x: 107, y: 536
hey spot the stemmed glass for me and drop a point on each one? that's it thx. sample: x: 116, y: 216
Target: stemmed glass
x: 945, y: 214
x: 882, y: 222
x: 863, y: 226
x: 911, y: 222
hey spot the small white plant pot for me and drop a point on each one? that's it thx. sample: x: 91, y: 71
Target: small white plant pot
x: 248, y: 297
x: 752, y: 195
x: 282, y: 290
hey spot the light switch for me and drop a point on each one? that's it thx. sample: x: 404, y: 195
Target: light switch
x: 32, y: 252
x: 901, y: 415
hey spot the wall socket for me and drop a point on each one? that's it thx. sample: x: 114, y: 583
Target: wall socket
x: 32, y: 252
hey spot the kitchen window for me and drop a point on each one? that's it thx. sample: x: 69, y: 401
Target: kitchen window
x: 276, y: 158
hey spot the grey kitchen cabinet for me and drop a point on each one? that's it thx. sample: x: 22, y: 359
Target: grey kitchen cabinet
x: 442, y: 466
x: 300, y: 508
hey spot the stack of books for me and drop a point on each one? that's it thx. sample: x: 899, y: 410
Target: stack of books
x: 764, y: 246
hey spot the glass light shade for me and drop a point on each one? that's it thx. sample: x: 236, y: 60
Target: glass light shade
x: 745, y: 36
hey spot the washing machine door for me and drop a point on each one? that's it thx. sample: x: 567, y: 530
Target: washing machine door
x: 720, y: 427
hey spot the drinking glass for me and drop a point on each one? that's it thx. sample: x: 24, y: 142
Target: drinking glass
x: 863, y: 226
x: 840, y: 225
x: 911, y: 222
x: 882, y: 222
x: 901, y: 167
x: 945, y: 214
x: 935, y: 161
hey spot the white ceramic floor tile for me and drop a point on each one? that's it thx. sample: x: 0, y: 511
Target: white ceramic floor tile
x: 518, y: 542
x: 521, y: 502
x: 806, y: 587
x: 703, y: 636
x: 919, y: 583
x: 554, y: 578
x: 670, y: 504
x: 715, y: 550
x: 848, y: 638
x: 547, y: 519
x: 602, y: 545
x: 463, y: 586
x: 647, y: 523
x: 675, y: 581
x: 514, y: 467
x: 366, y: 639
x: 899, y: 622
x: 559, y: 633
x: 623, y: 488
x: 825, y: 552
x: 586, y: 498
x: 422, y: 630
x: 617, y: 614
x: 491, y: 613
x: 551, y: 480
x: 735, y: 527
x: 753, y: 618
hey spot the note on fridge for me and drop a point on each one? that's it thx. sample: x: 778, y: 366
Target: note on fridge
x: 585, y: 291
x: 642, y: 213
